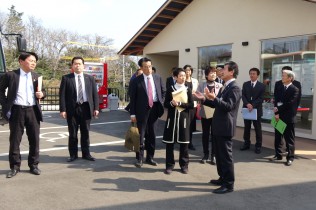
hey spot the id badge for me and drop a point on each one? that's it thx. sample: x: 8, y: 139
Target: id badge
x: 279, y: 104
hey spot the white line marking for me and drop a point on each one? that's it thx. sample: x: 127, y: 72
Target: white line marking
x: 47, y: 128
x: 91, y: 145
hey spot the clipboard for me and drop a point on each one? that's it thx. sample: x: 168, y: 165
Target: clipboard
x: 180, y: 95
x: 278, y: 125
x: 249, y: 115
x: 39, y: 85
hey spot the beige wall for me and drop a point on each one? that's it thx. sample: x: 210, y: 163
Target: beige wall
x: 164, y: 63
x: 217, y: 22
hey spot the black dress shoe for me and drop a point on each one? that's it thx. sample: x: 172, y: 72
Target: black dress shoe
x: 244, y: 147
x: 168, y: 171
x: 88, y: 157
x: 204, y: 159
x: 151, y: 162
x: 12, y: 173
x: 184, y: 170
x: 258, y: 150
x: 223, y: 189
x: 35, y: 171
x: 139, y: 163
x: 72, y: 158
x: 275, y: 158
x: 218, y: 182
x: 212, y: 162
x: 288, y: 162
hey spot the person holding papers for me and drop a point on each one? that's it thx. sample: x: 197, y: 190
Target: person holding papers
x: 252, y: 97
x: 193, y: 84
x: 178, y: 101
x: 206, y: 114
x: 276, y: 87
x: 22, y: 109
x: 286, y: 97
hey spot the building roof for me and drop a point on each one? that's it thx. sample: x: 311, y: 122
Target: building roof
x: 164, y: 15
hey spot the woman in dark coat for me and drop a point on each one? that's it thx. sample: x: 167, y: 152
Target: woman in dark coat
x: 177, y: 128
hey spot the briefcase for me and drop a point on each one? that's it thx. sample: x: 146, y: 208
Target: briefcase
x: 132, y: 138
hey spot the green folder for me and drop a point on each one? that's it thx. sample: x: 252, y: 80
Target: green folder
x: 279, y: 125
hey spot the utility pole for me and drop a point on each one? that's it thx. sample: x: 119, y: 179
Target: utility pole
x: 124, y: 79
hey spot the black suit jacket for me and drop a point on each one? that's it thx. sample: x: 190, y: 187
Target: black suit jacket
x: 253, y: 96
x: 139, y: 99
x: 287, y: 111
x: 296, y: 83
x: 11, y: 81
x: 68, y: 94
x: 169, y: 83
x: 219, y: 81
x: 226, y: 106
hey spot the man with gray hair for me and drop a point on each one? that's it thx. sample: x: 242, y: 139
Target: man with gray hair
x: 286, y: 97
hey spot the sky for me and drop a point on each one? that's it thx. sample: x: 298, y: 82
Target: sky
x: 116, y: 19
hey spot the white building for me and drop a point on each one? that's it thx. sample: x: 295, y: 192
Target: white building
x: 266, y: 34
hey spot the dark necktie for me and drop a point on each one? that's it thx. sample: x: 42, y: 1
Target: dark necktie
x: 252, y: 84
x: 80, y: 91
x: 150, y: 93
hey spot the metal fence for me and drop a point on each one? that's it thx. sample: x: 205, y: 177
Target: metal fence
x: 51, y: 101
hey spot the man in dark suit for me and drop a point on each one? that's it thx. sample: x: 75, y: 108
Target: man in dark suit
x: 22, y: 109
x: 277, y: 86
x: 286, y: 97
x: 226, y: 105
x: 171, y: 80
x: 219, y: 74
x: 136, y: 74
x: 79, y: 102
x: 146, y: 106
x: 252, y: 97
x: 295, y: 83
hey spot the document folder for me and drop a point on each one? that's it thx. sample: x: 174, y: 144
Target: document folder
x: 249, y: 115
x: 278, y: 125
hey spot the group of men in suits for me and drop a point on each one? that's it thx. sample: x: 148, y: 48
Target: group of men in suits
x: 287, y: 96
x: 20, y: 106
x: 79, y: 104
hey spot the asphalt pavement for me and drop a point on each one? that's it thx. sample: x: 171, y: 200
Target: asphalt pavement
x: 113, y: 182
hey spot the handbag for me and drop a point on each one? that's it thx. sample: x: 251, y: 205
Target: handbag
x: 198, y: 110
x: 132, y: 138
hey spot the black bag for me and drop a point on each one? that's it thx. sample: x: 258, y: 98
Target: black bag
x: 132, y: 138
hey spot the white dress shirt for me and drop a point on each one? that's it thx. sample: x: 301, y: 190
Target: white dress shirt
x: 25, y: 90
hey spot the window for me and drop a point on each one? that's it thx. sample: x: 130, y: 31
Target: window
x: 212, y: 56
x: 299, y: 53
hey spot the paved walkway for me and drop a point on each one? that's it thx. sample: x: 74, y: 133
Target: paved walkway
x: 112, y: 182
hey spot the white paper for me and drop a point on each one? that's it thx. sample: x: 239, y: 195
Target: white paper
x: 39, y: 82
x: 209, y: 111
